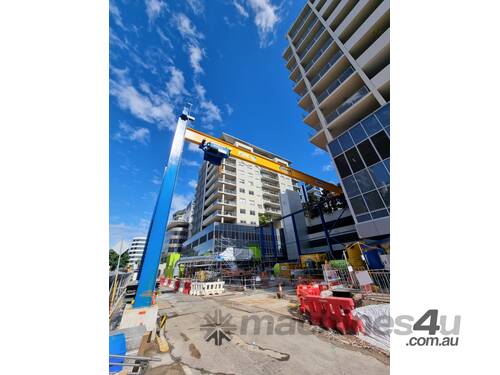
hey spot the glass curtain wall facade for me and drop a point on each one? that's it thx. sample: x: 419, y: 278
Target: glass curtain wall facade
x: 362, y: 158
x: 217, y: 237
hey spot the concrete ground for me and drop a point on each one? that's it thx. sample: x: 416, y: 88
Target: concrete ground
x: 282, y: 346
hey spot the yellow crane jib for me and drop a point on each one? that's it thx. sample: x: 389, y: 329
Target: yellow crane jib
x: 199, y: 138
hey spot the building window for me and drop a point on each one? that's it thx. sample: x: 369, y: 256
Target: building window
x: 252, y: 212
x: 243, y: 221
x: 250, y: 192
x: 368, y: 153
x: 242, y: 211
x: 358, y: 205
x: 371, y: 125
x: 342, y: 166
x: 354, y: 159
x: 253, y: 223
x: 364, y: 181
x: 259, y: 206
x: 243, y: 201
x: 241, y: 181
x: 382, y: 144
x: 252, y: 202
x: 379, y: 174
x: 373, y: 201
x: 242, y: 190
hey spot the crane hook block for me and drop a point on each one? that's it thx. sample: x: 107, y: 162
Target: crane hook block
x: 213, y: 153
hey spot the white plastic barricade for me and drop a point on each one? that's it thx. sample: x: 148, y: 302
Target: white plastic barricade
x: 196, y: 289
x: 207, y: 289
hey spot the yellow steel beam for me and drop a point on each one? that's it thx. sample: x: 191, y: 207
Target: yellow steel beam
x: 195, y: 136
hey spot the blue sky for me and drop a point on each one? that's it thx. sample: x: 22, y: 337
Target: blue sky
x: 223, y: 56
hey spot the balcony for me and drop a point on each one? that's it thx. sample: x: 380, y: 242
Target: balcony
x: 273, y: 177
x: 318, y: 54
x: 300, y: 23
x: 336, y: 83
x: 218, y: 204
x: 271, y: 202
x: 314, y: 39
x: 353, y: 99
x: 270, y: 185
x: 272, y: 211
x: 226, y: 181
x: 219, y: 214
x: 305, y: 34
x: 325, y: 68
x: 229, y: 171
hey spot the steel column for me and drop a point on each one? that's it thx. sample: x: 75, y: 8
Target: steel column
x: 156, y: 233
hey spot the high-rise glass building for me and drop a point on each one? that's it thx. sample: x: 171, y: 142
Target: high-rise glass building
x: 338, y: 55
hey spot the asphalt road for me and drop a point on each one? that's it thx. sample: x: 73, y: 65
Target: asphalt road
x: 279, y: 344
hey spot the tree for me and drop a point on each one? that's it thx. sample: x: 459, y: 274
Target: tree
x: 113, y: 259
x: 265, y: 218
x: 328, y: 202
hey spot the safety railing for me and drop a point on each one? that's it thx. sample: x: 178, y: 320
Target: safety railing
x: 318, y: 54
x: 300, y: 23
x: 353, y: 99
x: 336, y: 83
x: 138, y: 365
x: 327, y: 66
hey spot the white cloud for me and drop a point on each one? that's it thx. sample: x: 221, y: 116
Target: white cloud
x: 209, y: 111
x: 180, y: 201
x: 126, y: 231
x: 193, y: 183
x: 265, y: 19
x: 152, y: 108
x: 157, y: 177
x: 128, y: 132
x: 194, y: 148
x: 175, y: 86
x: 154, y: 9
x: 318, y: 151
x: 229, y: 109
x: 117, y: 17
x: 241, y: 10
x: 195, y: 56
x: 190, y: 163
x: 196, y: 6
x: 165, y: 38
x: 327, y: 168
x: 186, y: 28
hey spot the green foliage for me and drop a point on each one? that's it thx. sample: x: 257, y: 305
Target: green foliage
x: 113, y: 259
x: 328, y: 203
x: 339, y: 264
x: 265, y: 218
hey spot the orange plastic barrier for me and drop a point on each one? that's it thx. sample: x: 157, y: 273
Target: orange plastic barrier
x: 303, y: 290
x: 333, y: 313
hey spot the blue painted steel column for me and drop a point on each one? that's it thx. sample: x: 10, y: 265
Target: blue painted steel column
x: 273, y: 237
x: 156, y: 233
x: 261, y: 240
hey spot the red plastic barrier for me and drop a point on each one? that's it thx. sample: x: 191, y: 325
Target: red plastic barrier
x: 308, y: 290
x: 187, y: 287
x: 345, y: 321
x: 332, y: 313
x: 177, y: 284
